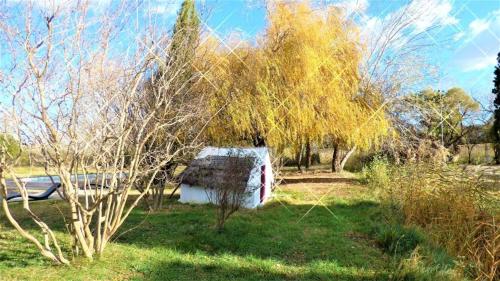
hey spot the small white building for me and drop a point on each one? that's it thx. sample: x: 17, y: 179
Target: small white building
x: 210, y: 169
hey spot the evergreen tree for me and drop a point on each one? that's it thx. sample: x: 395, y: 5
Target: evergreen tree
x: 185, y: 36
x: 175, y: 78
x: 496, y: 114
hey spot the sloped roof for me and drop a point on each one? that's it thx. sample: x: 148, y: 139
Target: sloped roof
x: 215, y: 171
x: 260, y: 153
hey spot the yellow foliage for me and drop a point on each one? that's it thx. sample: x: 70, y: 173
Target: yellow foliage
x: 301, y: 83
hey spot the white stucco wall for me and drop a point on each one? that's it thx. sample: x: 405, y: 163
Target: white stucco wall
x: 198, y: 195
x: 193, y: 194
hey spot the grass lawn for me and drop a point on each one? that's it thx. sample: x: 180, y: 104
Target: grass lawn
x: 318, y: 227
x: 34, y: 171
x: 29, y: 171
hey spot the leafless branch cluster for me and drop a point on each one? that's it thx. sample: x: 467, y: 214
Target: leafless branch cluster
x: 174, y: 94
x: 396, y: 50
x: 77, y: 95
x: 231, y: 190
x: 397, y: 64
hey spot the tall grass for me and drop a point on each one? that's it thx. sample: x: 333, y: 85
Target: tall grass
x: 453, y: 206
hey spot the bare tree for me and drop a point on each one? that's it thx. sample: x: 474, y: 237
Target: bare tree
x: 231, y: 192
x: 77, y: 95
x: 177, y: 80
x: 226, y: 179
x: 394, y: 62
x: 49, y: 247
x: 173, y: 96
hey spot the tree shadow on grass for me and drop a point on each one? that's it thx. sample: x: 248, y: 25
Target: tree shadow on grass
x: 286, y: 180
x: 195, y: 270
x: 292, y: 234
x: 19, y: 257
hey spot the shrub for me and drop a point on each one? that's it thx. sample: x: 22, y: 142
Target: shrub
x: 377, y: 173
x: 358, y: 160
x: 11, y: 145
x: 229, y: 191
x: 398, y: 240
x: 483, y: 248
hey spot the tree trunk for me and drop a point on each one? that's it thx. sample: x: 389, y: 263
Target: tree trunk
x: 159, y: 189
x: 258, y: 140
x: 308, y: 155
x: 158, y: 200
x: 173, y: 191
x: 469, y: 154
x: 497, y: 153
x: 346, y: 157
x: 56, y: 257
x: 298, y: 159
x: 336, y: 159
x: 339, y: 159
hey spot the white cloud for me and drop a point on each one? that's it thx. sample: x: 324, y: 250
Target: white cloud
x: 479, y: 63
x: 53, y: 5
x: 480, y: 47
x: 416, y: 17
x: 165, y: 8
x: 458, y: 36
x: 428, y: 13
x: 478, y: 25
x: 353, y: 7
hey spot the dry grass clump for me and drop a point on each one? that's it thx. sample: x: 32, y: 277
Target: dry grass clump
x: 484, y: 249
x: 414, y: 268
x: 455, y: 208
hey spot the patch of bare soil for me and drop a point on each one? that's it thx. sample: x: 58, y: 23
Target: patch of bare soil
x: 361, y: 237
x: 322, y: 184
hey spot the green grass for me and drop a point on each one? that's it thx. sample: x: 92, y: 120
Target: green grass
x: 33, y: 171
x: 29, y: 171
x: 276, y: 242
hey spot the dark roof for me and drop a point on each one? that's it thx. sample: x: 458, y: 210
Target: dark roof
x: 219, y: 171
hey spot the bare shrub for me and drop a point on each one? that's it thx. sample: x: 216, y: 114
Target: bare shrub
x: 172, y: 95
x: 177, y: 79
x: 229, y: 188
x: 431, y: 151
x: 483, y: 248
x: 78, y: 97
x: 49, y: 247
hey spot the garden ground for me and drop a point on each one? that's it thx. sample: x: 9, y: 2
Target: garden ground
x: 319, y: 226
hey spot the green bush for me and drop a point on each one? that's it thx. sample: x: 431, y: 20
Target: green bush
x: 10, y: 144
x: 398, y: 240
x: 376, y: 173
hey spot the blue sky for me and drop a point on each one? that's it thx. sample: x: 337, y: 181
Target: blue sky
x: 464, y: 47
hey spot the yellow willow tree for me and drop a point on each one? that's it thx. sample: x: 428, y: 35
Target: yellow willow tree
x: 231, y: 78
x: 299, y: 86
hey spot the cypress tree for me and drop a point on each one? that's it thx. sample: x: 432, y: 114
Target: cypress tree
x: 185, y: 36
x: 496, y: 114
x: 175, y: 78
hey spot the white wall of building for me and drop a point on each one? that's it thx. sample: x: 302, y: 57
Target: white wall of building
x: 199, y: 195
